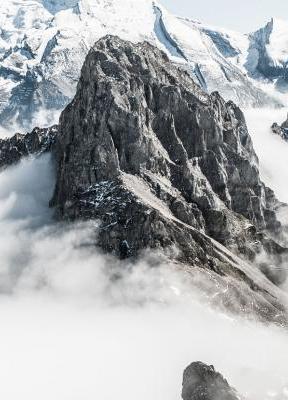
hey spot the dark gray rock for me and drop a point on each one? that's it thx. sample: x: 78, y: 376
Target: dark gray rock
x: 164, y: 166
x: 142, y: 126
x: 202, y: 382
x: 36, y: 142
x: 281, y: 130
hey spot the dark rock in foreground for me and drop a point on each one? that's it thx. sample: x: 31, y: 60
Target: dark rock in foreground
x: 36, y: 142
x: 202, y: 382
x: 164, y: 166
x: 160, y: 162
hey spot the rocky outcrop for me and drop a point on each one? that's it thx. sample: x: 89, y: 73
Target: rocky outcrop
x: 202, y: 382
x: 164, y: 166
x: 36, y: 142
x: 281, y: 130
x: 159, y: 162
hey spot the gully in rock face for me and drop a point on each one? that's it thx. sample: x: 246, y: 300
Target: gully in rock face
x: 143, y: 211
x: 163, y: 166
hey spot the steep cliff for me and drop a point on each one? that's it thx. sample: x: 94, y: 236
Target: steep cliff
x: 267, y: 53
x: 138, y: 119
x: 163, y: 165
x: 20, y: 145
x: 281, y: 130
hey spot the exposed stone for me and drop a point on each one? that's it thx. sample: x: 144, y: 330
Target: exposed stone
x: 202, y: 382
x: 281, y: 130
x: 136, y: 115
x: 36, y: 142
x: 164, y: 166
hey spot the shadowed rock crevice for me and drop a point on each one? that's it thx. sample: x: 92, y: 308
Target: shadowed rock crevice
x: 18, y: 146
x: 138, y: 114
x: 165, y: 167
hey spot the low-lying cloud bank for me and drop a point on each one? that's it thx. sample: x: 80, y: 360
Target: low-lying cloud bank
x: 76, y: 324
x: 270, y: 148
x: 44, y: 118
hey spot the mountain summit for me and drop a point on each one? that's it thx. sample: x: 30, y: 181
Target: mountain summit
x: 165, y: 166
x: 268, y: 53
x: 43, y: 45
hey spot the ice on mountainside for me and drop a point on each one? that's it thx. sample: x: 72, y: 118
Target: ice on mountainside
x: 261, y: 56
x: 268, y: 53
x: 43, y: 45
x: 55, y: 6
x: 144, y: 210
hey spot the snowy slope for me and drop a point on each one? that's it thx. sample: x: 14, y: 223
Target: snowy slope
x: 215, y: 58
x: 43, y: 44
x: 43, y: 47
x: 268, y: 54
x: 263, y: 54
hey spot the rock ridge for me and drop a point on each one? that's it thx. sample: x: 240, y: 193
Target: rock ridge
x: 135, y: 113
x: 36, y: 142
x: 165, y: 167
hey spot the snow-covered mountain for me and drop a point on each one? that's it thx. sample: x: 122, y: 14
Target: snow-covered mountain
x: 263, y: 54
x: 43, y: 44
x: 268, y: 54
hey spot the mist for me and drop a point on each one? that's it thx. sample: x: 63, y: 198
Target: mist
x: 76, y: 323
x: 271, y: 149
x: 43, y: 118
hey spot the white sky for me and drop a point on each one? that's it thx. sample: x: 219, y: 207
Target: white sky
x: 244, y: 15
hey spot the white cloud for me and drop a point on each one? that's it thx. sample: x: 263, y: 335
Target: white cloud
x: 43, y: 118
x: 76, y: 324
x: 270, y: 148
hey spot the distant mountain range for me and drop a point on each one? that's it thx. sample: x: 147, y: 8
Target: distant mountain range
x: 43, y: 45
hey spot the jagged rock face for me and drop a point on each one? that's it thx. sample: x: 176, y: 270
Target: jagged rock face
x: 144, y: 150
x: 36, y: 142
x: 136, y: 115
x: 281, y: 130
x: 202, y: 382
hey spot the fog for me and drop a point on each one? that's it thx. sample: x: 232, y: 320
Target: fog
x: 270, y: 148
x: 76, y: 324
x: 43, y: 118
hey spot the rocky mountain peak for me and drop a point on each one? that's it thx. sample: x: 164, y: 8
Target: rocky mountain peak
x: 144, y: 115
x: 267, y: 54
x: 161, y: 164
x: 281, y: 130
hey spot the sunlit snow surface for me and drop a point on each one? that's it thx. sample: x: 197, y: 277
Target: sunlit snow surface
x: 278, y: 42
x: 43, y: 45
